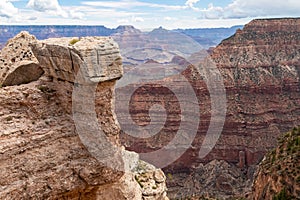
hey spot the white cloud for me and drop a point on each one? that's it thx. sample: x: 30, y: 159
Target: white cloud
x: 168, y: 18
x: 7, y: 9
x: 127, y: 4
x: 43, y: 5
x: 191, y: 4
x: 32, y: 18
x: 51, y: 6
x: 137, y: 19
x: 213, y: 12
x: 254, y: 8
x: 76, y: 14
x: 123, y: 21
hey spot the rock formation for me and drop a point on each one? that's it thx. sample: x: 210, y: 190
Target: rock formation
x: 41, y: 154
x: 18, y: 64
x: 260, y: 68
x: 278, y: 176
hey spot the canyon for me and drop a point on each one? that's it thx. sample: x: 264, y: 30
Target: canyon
x: 260, y: 69
x: 248, y: 87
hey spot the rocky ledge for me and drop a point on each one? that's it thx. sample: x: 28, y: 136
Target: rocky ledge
x: 41, y: 154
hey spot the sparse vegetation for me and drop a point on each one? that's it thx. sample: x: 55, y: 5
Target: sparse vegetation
x: 169, y: 175
x: 282, y: 195
x: 45, y: 89
x: 282, y: 164
x: 74, y: 41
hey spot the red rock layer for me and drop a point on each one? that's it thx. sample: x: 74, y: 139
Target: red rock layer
x: 260, y: 66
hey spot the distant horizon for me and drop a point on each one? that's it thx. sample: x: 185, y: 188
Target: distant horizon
x: 149, y: 29
x: 144, y: 14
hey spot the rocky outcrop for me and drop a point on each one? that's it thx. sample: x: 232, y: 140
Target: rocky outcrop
x: 18, y: 64
x: 278, y: 176
x: 217, y: 179
x: 41, y: 154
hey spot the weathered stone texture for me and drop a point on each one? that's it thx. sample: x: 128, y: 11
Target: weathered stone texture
x: 99, y: 56
x: 41, y: 155
x: 18, y: 64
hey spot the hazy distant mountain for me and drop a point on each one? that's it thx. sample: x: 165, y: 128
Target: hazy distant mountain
x: 205, y: 37
x: 44, y: 32
x: 128, y: 29
x: 209, y: 37
x: 136, y: 46
x: 160, y: 45
x: 174, y: 42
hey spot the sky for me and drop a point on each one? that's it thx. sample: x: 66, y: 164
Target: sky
x: 144, y: 14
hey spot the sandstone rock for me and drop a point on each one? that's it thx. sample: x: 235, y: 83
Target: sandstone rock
x: 147, y: 175
x: 127, y: 188
x: 139, y: 183
x: 99, y: 55
x: 18, y: 64
x: 159, y: 176
x: 42, y: 157
x: 41, y: 154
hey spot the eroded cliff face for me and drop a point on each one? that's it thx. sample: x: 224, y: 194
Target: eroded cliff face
x: 41, y: 154
x: 260, y: 69
x: 278, y: 176
x: 260, y: 66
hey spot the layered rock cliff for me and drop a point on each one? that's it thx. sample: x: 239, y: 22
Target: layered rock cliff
x: 260, y: 69
x: 41, y: 153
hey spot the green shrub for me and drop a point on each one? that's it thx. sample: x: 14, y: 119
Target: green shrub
x: 282, y: 195
x: 169, y: 175
x: 74, y: 41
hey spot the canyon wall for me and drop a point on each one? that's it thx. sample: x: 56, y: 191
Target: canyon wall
x: 260, y: 69
x: 41, y: 153
x: 278, y: 176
